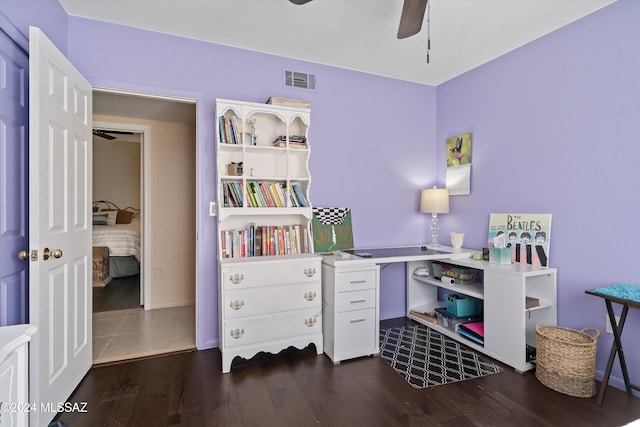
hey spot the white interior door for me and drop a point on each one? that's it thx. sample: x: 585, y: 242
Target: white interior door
x: 59, y: 226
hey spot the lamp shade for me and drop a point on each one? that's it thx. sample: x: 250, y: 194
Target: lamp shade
x: 434, y: 200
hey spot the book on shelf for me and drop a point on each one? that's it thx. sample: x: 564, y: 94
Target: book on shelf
x: 472, y: 337
x: 426, y: 316
x: 474, y: 328
x: 221, y: 134
x: 531, y: 302
x: 297, y: 190
x: 229, y: 130
x: 295, y: 141
x: 266, y: 194
x: 232, y: 194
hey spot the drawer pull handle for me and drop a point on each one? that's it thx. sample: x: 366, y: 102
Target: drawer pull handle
x: 309, y: 272
x: 236, y: 278
x: 354, y: 282
x: 236, y: 305
x: 310, y: 296
x: 310, y: 321
x: 355, y: 301
x: 237, y: 333
x: 357, y: 320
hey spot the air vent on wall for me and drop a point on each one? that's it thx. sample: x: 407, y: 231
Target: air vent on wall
x: 299, y: 80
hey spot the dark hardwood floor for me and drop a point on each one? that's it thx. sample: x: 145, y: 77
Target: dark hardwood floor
x: 300, y: 388
x: 119, y: 294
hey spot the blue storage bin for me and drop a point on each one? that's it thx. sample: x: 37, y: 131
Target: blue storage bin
x: 463, y: 305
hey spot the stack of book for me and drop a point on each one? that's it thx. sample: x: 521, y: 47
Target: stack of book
x: 288, y: 102
x: 295, y: 141
x: 474, y: 331
x: 531, y: 302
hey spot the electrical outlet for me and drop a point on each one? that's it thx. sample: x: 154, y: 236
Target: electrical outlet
x: 608, y: 323
x: 213, y: 209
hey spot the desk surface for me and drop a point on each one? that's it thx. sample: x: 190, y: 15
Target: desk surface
x: 620, y: 293
x: 369, y: 256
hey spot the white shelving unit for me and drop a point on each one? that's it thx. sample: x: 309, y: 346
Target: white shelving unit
x: 508, y: 326
x: 269, y: 288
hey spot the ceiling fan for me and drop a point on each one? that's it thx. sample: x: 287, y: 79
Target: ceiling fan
x: 410, y: 19
x: 107, y: 134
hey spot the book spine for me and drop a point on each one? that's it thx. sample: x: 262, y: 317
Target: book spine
x: 258, y: 241
x: 297, y: 235
x: 223, y: 243
x: 221, y: 133
x: 226, y: 130
x: 237, y: 132
x: 281, y: 194
x: 266, y: 194
x: 274, y: 193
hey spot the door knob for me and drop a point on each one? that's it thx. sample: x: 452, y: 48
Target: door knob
x: 56, y: 253
x: 22, y: 255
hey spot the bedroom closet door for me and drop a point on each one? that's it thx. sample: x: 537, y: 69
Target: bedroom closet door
x: 14, y: 121
x: 59, y: 226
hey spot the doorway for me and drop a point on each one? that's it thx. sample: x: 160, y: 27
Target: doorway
x: 164, y: 318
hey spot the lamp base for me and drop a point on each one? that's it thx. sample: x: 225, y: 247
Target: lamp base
x: 434, y: 231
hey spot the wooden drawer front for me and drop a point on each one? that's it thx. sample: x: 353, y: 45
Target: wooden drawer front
x: 356, y: 300
x: 355, y: 331
x: 271, y: 299
x: 252, y: 330
x: 267, y: 273
x: 355, y: 280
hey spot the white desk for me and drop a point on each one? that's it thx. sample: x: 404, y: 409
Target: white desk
x: 351, y: 295
x: 509, y: 326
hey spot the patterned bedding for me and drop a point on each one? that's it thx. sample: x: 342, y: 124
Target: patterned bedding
x: 121, y: 239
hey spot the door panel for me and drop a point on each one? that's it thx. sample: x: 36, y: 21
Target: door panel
x: 59, y: 225
x: 14, y: 116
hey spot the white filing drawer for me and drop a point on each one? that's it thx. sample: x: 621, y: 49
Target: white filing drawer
x: 354, y: 280
x: 356, y: 335
x: 350, y: 312
x: 356, y: 300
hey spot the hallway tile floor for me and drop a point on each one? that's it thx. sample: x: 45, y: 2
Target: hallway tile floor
x: 127, y: 334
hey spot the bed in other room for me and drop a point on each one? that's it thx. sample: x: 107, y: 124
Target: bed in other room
x: 119, y: 230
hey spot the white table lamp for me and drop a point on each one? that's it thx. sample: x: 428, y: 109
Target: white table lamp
x: 434, y: 201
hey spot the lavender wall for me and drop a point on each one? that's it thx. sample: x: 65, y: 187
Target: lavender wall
x: 48, y: 15
x: 555, y: 130
x: 371, y: 136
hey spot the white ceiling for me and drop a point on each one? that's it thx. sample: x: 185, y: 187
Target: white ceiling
x: 353, y: 34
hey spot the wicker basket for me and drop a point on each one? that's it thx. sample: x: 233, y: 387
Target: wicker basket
x: 566, y: 359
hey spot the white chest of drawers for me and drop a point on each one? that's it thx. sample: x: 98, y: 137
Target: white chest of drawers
x: 269, y: 305
x: 351, y: 317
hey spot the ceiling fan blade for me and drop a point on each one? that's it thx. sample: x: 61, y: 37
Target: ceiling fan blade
x: 299, y: 2
x: 118, y: 132
x: 411, y: 18
x: 103, y: 134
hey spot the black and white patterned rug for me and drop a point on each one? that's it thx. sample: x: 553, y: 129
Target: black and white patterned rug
x: 426, y: 358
